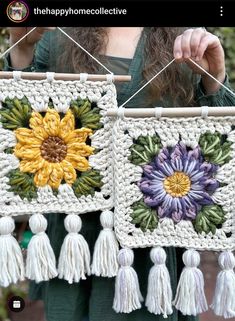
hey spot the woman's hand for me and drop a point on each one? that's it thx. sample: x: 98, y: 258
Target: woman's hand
x: 205, y: 49
x: 22, y: 54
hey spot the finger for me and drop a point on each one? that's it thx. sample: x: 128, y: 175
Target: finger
x: 185, y: 43
x: 177, y: 48
x: 208, y: 40
x: 195, y: 40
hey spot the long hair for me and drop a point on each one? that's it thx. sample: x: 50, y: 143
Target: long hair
x: 158, y: 51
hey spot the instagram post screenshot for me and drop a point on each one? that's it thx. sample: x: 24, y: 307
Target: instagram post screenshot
x: 117, y: 160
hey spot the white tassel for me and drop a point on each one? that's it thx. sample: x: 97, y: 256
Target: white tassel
x: 40, y: 261
x: 224, y: 298
x: 106, y: 249
x: 159, y: 295
x: 190, y: 297
x: 11, y: 258
x: 127, y: 292
x: 74, y: 260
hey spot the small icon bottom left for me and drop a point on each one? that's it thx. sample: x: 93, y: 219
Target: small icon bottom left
x: 16, y: 304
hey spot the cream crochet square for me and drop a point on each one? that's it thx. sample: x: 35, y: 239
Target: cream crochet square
x: 47, y: 162
x: 175, y: 182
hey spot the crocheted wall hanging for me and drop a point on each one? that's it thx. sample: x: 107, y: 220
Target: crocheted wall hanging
x: 55, y: 144
x: 175, y: 186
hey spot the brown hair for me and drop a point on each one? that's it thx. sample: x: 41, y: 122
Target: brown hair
x: 158, y: 51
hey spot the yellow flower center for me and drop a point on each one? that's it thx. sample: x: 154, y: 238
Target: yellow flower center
x: 53, y: 149
x: 177, y: 185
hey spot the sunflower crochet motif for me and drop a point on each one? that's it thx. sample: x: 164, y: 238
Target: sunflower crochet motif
x: 52, y: 149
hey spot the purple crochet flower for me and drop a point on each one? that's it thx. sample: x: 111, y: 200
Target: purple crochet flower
x: 178, y: 182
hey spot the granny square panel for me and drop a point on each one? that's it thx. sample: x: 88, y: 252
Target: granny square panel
x: 55, y: 143
x: 175, y: 182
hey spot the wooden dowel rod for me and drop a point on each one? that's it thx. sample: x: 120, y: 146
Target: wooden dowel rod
x: 62, y: 76
x: 174, y: 112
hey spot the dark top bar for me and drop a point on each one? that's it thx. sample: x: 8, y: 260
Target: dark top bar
x: 125, y: 13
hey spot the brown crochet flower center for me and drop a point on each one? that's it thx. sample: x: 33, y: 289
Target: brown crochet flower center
x: 53, y: 149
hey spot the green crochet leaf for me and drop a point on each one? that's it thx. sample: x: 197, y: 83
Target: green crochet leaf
x: 85, y: 114
x: 209, y: 219
x: 15, y: 113
x: 22, y: 184
x: 145, y: 149
x: 144, y: 216
x: 87, y: 183
x: 214, y: 148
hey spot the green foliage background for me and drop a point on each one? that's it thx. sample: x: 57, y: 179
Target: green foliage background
x: 226, y: 35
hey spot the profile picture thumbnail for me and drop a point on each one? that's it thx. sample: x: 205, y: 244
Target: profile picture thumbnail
x: 17, y: 11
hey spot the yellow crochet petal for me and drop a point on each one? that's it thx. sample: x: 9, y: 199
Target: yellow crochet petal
x: 78, y: 162
x: 80, y: 148
x: 69, y: 172
x: 27, y: 152
x: 42, y: 176
x: 67, y: 124
x: 26, y: 136
x: 31, y: 166
x: 51, y: 122
x: 36, y: 123
x: 78, y: 135
x: 56, y: 175
x: 35, y: 120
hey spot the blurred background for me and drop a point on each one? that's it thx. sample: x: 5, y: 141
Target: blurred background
x: 34, y: 309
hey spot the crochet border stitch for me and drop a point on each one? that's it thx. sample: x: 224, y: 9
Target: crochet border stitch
x: 42, y: 96
x: 128, y: 176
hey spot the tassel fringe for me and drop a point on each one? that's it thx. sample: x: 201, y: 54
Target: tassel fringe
x: 190, y: 297
x: 127, y: 296
x: 106, y: 249
x: 11, y: 258
x: 40, y: 261
x: 159, y: 295
x: 223, y: 303
x: 74, y: 260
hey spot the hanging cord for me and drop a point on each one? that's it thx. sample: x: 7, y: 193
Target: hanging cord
x: 212, y: 77
x: 87, y: 52
x: 16, y: 43
x: 206, y: 72
x: 146, y: 84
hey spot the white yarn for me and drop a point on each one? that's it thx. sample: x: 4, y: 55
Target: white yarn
x: 190, y: 297
x: 159, y: 295
x: 224, y: 298
x: 204, y: 111
x: 106, y: 248
x: 40, y: 261
x: 127, y: 292
x: 50, y: 76
x: 74, y: 260
x: 11, y: 259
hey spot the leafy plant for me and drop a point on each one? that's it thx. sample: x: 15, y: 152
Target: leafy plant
x: 214, y: 148
x: 145, y: 149
x: 22, y: 184
x: 87, y: 183
x: 144, y: 216
x: 86, y: 115
x: 15, y: 113
x: 209, y: 218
